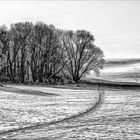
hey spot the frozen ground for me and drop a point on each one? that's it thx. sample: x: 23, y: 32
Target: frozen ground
x: 19, y: 110
x: 118, y: 118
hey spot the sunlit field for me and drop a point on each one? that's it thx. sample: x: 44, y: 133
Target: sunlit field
x: 117, y: 118
x: 18, y: 110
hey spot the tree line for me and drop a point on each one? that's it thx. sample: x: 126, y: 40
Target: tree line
x: 42, y: 53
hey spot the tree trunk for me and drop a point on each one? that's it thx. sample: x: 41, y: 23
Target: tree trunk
x: 22, y: 75
x: 40, y: 72
x: 76, y: 78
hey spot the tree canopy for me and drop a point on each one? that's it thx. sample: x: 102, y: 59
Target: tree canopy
x: 42, y: 53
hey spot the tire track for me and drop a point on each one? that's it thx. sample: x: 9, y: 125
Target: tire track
x: 90, y: 110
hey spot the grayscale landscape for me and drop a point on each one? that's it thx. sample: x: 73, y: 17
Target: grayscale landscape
x: 62, y: 84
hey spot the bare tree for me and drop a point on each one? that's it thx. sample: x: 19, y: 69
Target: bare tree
x: 4, y: 45
x: 41, y: 52
x: 83, y: 56
x: 19, y: 33
x: 45, y: 50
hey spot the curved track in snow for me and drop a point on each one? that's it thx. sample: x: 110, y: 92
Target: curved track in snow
x: 88, y: 111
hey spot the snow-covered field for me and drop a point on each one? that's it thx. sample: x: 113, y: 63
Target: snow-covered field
x: 122, y: 73
x: 19, y: 110
x: 118, y: 118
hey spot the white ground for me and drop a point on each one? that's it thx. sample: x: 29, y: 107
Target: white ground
x: 19, y: 110
x: 117, y: 119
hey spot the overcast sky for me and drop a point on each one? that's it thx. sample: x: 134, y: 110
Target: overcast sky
x: 114, y: 24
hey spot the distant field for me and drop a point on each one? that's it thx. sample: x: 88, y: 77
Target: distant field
x: 119, y: 62
x: 120, y: 70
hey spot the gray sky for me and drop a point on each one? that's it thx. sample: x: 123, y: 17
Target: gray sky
x: 115, y: 24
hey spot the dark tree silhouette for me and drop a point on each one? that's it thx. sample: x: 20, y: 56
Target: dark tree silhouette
x: 19, y: 34
x: 82, y: 54
x: 40, y: 52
